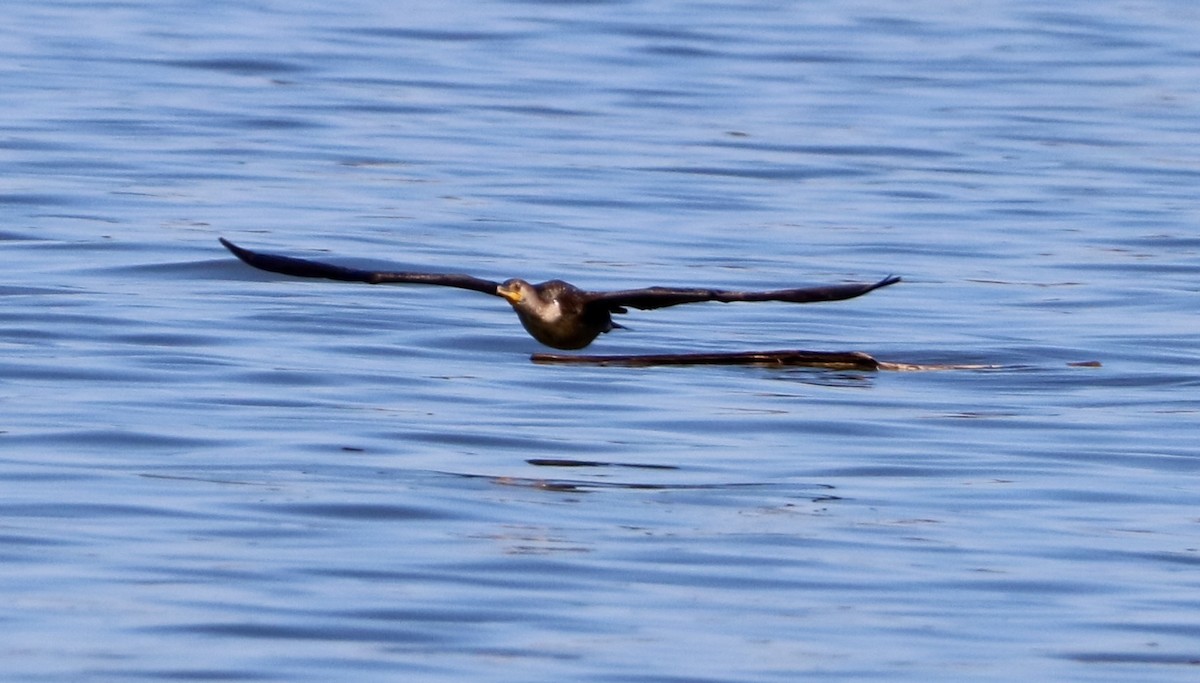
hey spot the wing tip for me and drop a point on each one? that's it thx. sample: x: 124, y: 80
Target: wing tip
x: 243, y: 254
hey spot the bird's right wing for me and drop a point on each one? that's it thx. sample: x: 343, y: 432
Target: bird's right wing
x: 287, y: 265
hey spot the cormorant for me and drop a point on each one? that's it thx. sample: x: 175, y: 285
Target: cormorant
x: 556, y: 313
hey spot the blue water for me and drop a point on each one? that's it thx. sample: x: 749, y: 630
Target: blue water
x: 213, y: 473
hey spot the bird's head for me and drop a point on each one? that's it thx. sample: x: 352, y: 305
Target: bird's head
x: 517, y: 291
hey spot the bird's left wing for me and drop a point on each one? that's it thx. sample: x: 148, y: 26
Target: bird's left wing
x: 287, y: 265
x: 661, y: 297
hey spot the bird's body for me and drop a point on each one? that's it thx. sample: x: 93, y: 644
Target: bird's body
x: 556, y: 313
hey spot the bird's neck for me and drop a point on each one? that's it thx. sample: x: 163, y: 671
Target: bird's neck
x: 546, y: 308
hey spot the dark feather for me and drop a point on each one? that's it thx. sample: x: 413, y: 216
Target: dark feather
x: 298, y: 267
x: 661, y: 297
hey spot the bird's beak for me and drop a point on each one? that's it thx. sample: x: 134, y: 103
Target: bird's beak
x: 513, y: 295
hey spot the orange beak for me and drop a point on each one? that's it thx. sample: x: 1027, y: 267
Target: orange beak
x: 513, y: 295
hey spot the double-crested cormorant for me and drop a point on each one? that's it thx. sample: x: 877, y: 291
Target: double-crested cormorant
x: 556, y: 313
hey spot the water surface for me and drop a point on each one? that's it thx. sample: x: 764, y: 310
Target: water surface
x: 212, y: 473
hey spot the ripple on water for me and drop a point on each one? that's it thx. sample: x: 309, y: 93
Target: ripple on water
x: 208, y: 472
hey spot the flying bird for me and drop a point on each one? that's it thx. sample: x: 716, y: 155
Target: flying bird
x: 555, y: 313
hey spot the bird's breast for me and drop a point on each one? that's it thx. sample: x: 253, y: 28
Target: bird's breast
x: 552, y: 312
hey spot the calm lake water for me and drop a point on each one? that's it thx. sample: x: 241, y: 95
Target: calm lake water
x: 213, y: 473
